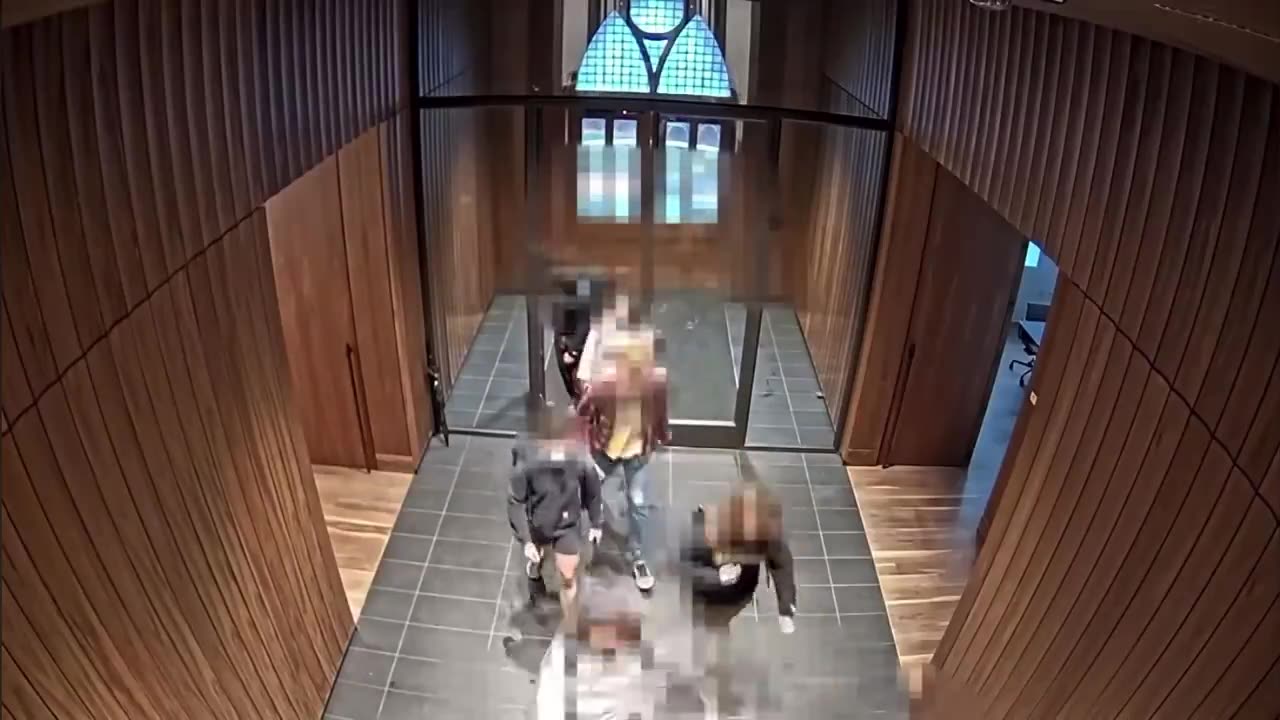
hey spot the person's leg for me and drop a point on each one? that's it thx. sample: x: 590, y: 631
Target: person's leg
x: 716, y: 690
x: 566, y: 550
x: 639, y: 513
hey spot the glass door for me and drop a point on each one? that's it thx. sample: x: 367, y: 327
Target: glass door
x: 675, y: 210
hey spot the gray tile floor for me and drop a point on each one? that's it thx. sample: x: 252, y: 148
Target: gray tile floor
x: 787, y: 407
x: 429, y: 644
x: 491, y: 390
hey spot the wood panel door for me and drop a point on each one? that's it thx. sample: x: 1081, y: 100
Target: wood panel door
x: 960, y: 315
x: 308, y: 254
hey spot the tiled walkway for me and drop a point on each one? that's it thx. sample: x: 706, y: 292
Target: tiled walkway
x: 787, y: 408
x: 429, y: 643
x: 490, y: 392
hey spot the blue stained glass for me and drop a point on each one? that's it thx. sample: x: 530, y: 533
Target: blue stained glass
x: 655, y: 48
x: 657, y: 16
x: 613, y: 61
x: 695, y: 65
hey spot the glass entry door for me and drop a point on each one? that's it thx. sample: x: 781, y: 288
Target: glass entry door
x: 675, y: 209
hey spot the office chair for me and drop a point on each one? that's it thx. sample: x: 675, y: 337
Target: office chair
x: 1036, y: 312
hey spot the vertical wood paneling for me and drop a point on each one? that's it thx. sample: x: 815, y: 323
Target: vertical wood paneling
x: 859, y: 53
x: 831, y: 297
x: 122, y: 225
x: 1128, y: 565
x: 368, y: 266
x: 957, y: 325
x: 165, y: 555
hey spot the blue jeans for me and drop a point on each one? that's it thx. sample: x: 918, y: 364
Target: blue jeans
x: 635, y: 485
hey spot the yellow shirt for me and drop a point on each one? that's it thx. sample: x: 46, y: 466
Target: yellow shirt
x: 627, y: 440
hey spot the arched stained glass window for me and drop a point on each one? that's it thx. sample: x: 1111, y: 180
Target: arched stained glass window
x: 614, y: 61
x: 658, y: 46
x: 694, y: 64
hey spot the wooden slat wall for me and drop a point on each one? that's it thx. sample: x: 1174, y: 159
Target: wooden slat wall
x: 839, y: 255
x: 461, y: 251
x: 859, y: 53
x: 897, y: 276
x: 460, y: 244
x: 164, y: 549
x: 1129, y: 568
x: 339, y: 255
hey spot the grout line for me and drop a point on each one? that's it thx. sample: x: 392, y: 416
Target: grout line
x: 484, y: 398
x: 502, y: 586
x: 787, y: 393
x: 826, y: 558
x: 400, y: 646
x: 428, y: 594
x: 499, y: 706
x: 443, y: 537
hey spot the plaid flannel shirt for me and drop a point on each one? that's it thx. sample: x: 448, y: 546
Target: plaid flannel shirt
x: 599, y: 408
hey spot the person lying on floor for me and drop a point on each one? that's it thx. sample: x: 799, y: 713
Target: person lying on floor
x: 599, y: 668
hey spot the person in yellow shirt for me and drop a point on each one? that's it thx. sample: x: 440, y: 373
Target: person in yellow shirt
x: 627, y: 412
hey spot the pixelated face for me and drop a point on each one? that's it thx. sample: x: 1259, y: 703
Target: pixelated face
x: 610, y: 637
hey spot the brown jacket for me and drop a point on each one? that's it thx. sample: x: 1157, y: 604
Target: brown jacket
x: 599, y: 406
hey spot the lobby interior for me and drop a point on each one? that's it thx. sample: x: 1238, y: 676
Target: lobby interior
x: 980, y: 290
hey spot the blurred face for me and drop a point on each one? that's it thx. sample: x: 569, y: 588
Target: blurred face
x: 608, y: 638
x: 741, y: 531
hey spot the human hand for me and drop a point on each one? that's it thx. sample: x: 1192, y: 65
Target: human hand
x: 730, y: 573
x: 786, y: 624
x: 532, y: 553
x: 594, y: 535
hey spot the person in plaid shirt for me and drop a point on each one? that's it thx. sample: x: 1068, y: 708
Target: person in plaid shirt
x: 625, y: 407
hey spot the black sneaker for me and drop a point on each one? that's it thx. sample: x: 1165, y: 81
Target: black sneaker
x: 644, y: 578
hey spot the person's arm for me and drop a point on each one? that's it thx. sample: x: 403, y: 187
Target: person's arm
x: 701, y: 576
x: 517, y: 506
x: 658, y: 402
x: 782, y: 567
x: 590, y: 483
x: 587, y: 363
x: 581, y: 329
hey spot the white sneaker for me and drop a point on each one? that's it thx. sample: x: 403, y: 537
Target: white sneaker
x: 644, y: 578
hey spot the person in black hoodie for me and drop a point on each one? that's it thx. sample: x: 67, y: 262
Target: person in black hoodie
x: 721, y: 558
x: 554, y: 481
x: 572, y: 324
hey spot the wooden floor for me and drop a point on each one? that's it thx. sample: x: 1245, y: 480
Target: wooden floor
x: 359, y: 509
x: 919, y: 524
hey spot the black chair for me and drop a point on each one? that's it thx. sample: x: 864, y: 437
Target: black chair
x: 1036, y: 312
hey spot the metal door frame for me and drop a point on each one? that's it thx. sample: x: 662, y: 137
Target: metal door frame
x: 729, y: 434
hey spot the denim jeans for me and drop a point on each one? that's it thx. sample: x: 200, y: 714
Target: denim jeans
x: 635, y: 486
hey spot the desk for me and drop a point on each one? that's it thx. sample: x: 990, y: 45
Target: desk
x: 1031, y: 332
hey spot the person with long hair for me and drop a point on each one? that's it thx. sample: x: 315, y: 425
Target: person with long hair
x: 626, y: 410
x: 722, y: 557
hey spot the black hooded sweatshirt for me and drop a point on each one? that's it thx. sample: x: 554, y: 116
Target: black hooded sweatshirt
x: 549, y: 493
x: 700, y: 564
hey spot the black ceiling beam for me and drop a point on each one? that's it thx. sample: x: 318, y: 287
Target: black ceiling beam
x: 647, y: 103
